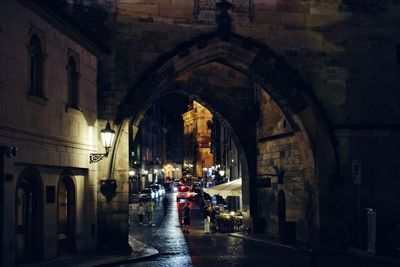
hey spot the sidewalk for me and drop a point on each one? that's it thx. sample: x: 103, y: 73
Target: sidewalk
x: 317, y: 251
x: 139, y: 251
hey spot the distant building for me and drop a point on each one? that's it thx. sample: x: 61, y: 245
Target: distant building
x: 225, y: 153
x: 148, y: 149
x: 197, y: 139
x: 175, y: 148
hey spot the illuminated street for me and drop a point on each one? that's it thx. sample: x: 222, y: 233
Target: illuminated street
x: 199, y: 249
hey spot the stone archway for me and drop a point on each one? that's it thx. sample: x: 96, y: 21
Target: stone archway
x: 271, y: 73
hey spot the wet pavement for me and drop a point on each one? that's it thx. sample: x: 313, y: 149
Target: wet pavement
x: 166, y: 236
x: 199, y: 249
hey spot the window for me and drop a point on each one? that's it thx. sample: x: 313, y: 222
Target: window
x: 36, y: 66
x: 73, y: 91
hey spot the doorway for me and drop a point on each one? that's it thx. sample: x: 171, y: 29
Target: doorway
x: 29, y: 203
x: 66, y: 216
x: 282, y: 214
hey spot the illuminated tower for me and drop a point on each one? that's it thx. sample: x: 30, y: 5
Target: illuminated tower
x: 197, y: 139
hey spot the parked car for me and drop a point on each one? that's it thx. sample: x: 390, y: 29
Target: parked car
x: 155, y: 190
x: 183, y: 192
x: 160, y: 190
x: 146, y: 194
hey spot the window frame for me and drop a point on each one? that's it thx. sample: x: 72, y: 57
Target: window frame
x: 73, y: 79
x: 37, y: 56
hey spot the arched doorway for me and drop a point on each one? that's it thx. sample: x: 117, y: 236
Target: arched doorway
x: 66, y: 215
x: 29, y: 212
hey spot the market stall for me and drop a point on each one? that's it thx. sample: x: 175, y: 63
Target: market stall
x: 233, y: 188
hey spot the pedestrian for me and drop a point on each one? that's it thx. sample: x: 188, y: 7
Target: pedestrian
x: 165, y: 204
x: 186, y: 217
x: 150, y: 212
x: 206, y: 218
x: 213, y: 219
x: 141, y: 210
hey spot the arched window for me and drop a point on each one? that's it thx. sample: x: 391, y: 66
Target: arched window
x: 73, y: 91
x: 36, y: 66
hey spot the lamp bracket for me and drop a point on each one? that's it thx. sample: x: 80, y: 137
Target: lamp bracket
x: 96, y: 157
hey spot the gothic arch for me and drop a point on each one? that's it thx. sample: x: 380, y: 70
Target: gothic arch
x: 261, y: 65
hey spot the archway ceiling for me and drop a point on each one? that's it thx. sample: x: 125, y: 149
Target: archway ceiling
x: 254, y: 60
x: 231, y: 115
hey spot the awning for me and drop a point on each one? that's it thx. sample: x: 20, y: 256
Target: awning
x: 233, y: 188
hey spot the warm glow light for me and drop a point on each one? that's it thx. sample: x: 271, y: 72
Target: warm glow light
x: 107, y: 136
x: 131, y: 173
x: 156, y: 171
x: 221, y: 172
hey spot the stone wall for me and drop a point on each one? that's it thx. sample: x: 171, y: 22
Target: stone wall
x: 347, y: 51
x: 51, y: 138
x: 279, y: 145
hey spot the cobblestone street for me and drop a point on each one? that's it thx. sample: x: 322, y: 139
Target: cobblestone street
x: 199, y: 249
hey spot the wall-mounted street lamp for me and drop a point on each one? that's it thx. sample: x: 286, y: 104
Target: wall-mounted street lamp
x: 107, y: 137
x: 221, y: 173
x: 131, y: 173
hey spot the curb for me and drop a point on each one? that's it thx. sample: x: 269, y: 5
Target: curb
x: 140, y: 252
x: 276, y: 244
x: 113, y: 262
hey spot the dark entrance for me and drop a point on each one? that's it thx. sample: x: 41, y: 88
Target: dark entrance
x: 66, y: 215
x: 29, y: 203
x: 281, y: 213
x: 287, y: 230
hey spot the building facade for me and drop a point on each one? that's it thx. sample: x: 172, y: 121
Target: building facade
x: 49, y: 114
x: 197, y: 139
x: 225, y: 153
x: 175, y: 148
x: 148, y: 149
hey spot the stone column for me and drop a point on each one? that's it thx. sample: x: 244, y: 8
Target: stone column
x: 112, y: 216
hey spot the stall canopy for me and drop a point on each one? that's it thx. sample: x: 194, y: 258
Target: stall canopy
x: 233, y: 188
